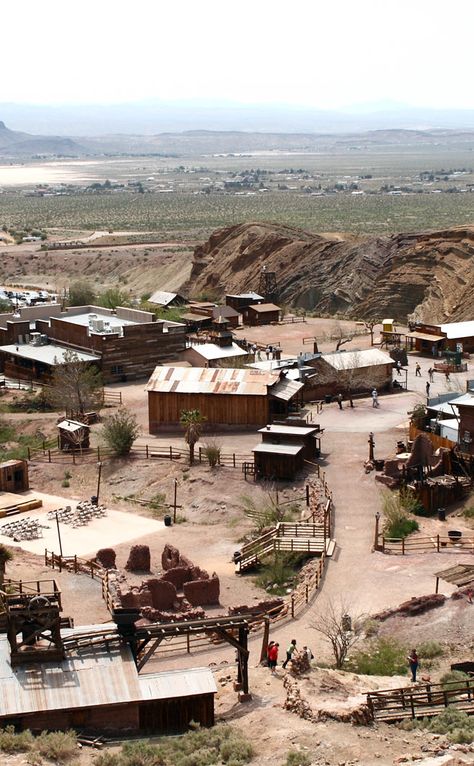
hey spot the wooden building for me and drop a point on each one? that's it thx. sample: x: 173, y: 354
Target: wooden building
x: 225, y: 397
x: 262, y: 313
x: 284, y: 449
x: 125, y: 344
x: 465, y: 406
x: 166, y: 300
x: 14, y: 476
x: 348, y: 372
x: 241, y: 302
x: 98, y: 688
x: 73, y: 435
x: 435, y: 339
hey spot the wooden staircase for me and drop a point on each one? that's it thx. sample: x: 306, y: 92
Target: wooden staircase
x: 421, y: 700
x: 285, y: 537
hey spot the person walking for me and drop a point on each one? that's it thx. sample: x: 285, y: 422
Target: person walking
x: 427, y: 388
x: 289, y: 652
x: 375, y: 398
x: 413, y: 662
x: 268, y: 652
x: 399, y: 367
x: 339, y: 401
x: 417, y: 370
x: 273, y: 657
x: 430, y: 374
x: 447, y: 376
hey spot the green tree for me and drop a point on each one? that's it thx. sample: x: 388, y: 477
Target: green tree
x: 5, y: 306
x: 192, y: 421
x: 76, y: 386
x: 112, y: 298
x: 120, y: 431
x: 81, y: 294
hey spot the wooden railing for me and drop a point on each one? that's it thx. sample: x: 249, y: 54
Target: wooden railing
x: 438, y: 543
x: 424, y: 700
x: 73, y: 564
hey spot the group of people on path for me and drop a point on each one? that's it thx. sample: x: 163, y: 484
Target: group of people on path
x: 272, y: 654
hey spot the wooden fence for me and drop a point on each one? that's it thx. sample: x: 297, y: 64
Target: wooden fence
x: 420, y: 701
x: 435, y: 439
x: 436, y: 543
x: 73, y: 564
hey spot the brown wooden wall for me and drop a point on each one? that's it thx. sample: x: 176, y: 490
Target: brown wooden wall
x: 175, y: 715
x: 103, y: 718
x: 219, y: 409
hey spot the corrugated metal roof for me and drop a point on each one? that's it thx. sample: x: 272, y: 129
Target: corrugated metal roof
x: 213, y: 351
x: 286, y: 389
x: 90, y: 677
x: 354, y: 360
x: 71, y: 425
x: 458, y: 329
x: 177, y: 683
x: 424, y: 336
x: 293, y: 430
x: 278, y: 449
x: 254, y: 296
x: 162, y: 298
x: 205, y: 380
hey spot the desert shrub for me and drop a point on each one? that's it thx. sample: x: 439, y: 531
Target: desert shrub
x: 453, y: 723
x: 469, y: 512
x: 277, y: 574
x: 418, y: 416
x: 382, y: 657
x: 454, y: 679
x: 199, y: 747
x: 108, y: 759
x: 371, y: 628
x: 397, y: 524
x: 58, y: 746
x: 212, y: 451
x: 428, y: 650
x: 297, y: 758
x: 10, y: 742
x: 120, y: 431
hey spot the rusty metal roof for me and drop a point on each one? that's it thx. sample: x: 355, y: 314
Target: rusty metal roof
x: 89, y: 677
x: 205, y: 380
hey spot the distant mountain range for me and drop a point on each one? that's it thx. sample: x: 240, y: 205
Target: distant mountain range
x: 154, y: 116
x: 16, y: 144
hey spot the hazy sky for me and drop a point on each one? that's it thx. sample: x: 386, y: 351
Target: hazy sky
x: 322, y: 53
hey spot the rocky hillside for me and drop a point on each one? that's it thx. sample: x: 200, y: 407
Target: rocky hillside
x: 428, y: 275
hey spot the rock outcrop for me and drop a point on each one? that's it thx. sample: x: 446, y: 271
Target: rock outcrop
x: 427, y: 275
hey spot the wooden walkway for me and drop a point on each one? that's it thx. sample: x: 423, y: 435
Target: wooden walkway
x: 423, y: 700
x: 302, y: 537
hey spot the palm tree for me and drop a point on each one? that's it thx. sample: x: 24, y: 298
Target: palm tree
x: 192, y: 421
x: 5, y: 555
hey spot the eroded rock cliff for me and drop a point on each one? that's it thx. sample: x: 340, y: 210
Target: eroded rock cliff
x: 428, y: 275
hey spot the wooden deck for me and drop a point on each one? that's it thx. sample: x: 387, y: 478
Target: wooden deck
x: 421, y: 700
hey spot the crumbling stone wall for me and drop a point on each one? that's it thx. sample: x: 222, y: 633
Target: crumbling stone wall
x: 106, y: 558
x: 139, y: 559
x: 202, y: 592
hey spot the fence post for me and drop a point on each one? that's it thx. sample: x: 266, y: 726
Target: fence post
x: 307, y: 495
x: 200, y: 454
x: 49, y: 456
x: 292, y: 605
x: 437, y: 543
x: 403, y: 546
x: 307, y: 592
x: 188, y: 643
x: 233, y: 459
x: 171, y: 452
x: 146, y: 445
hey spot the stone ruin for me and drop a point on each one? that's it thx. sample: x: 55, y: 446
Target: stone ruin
x: 179, y: 592
x: 139, y: 559
x: 106, y: 558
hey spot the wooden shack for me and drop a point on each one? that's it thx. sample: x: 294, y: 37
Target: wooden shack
x: 224, y: 396
x: 304, y: 436
x: 278, y: 461
x: 262, y: 313
x: 73, y: 435
x: 14, y: 476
